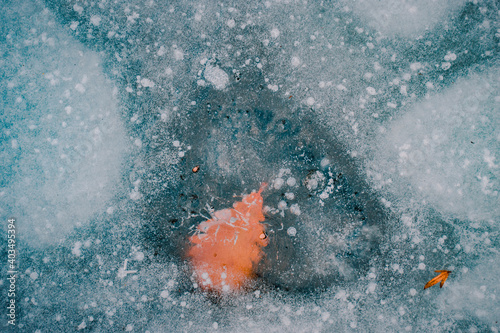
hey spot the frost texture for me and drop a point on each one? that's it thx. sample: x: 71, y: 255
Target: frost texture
x: 454, y: 165
x: 407, y: 18
x: 63, y: 140
x: 375, y: 125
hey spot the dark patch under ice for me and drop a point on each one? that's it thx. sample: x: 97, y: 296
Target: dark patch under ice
x: 242, y: 137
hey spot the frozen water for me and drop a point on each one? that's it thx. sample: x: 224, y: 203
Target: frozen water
x: 408, y: 18
x: 454, y: 165
x: 62, y: 138
x: 374, y: 124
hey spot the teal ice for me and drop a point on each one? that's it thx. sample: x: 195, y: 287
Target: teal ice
x: 375, y: 124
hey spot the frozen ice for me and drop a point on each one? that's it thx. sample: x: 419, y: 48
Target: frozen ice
x: 445, y: 149
x: 372, y: 128
x: 63, y: 138
x: 405, y: 17
x: 216, y: 76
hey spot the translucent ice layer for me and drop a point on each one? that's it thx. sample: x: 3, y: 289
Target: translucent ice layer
x: 128, y: 124
x: 62, y: 138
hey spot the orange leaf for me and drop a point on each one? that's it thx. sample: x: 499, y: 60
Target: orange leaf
x: 226, y: 248
x: 440, y: 278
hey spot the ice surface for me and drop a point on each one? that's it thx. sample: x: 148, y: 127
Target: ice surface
x: 62, y: 138
x: 407, y: 18
x: 446, y: 149
x: 374, y: 124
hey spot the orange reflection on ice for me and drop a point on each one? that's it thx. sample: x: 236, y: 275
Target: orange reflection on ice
x: 226, y: 248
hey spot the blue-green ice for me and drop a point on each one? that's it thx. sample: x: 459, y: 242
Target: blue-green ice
x: 375, y: 124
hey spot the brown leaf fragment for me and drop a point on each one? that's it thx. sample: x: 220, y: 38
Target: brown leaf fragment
x: 440, y: 278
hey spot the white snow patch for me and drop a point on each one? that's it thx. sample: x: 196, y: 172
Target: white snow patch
x: 295, y: 62
x: 78, y: 9
x: 216, y: 76
x: 77, y: 249
x: 178, y: 54
x: 437, y: 150
x: 278, y: 183
x: 147, y: 83
x: 310, y: 101
x: 291, y: 231
x: 82, y: 325
x: 405, y: 18
x: 95, y: 20
x: 295, y: 209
